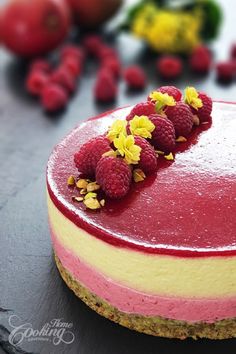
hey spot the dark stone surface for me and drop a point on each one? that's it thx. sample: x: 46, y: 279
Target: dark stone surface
x: 30, y: 285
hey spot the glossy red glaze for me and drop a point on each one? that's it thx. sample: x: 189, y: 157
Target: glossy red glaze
x: 187, y: 209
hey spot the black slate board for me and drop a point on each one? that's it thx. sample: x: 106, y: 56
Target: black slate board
x: 30, y: 286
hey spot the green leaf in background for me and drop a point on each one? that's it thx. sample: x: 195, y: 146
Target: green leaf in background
x: 212, y: 19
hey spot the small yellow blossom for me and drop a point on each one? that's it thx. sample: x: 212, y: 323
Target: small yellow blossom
x: 118, y: 127
x: 191, y: 98
x: 141, y: 126
x: 127, y: 148
x: 162, y: 99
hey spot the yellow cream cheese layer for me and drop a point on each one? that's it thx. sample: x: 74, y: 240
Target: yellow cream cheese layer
x: 203, y: 277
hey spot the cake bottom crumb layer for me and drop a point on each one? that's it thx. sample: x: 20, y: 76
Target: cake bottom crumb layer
x: 156, y: 326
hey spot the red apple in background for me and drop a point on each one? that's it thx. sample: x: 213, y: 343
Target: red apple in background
x: 90, y: 14
x: 34, y: 27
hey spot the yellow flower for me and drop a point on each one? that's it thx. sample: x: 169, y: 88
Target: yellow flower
x: 191, y: 98
x: 161, y: 100
x: 127, y: 148
x: 141, y: 126
x: 118, y: 127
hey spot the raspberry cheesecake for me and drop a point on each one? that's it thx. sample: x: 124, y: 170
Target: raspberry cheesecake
x: 142, y: 205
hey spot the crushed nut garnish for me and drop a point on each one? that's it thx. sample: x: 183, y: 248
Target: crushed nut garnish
x: 138, y: 175
x: 110, y: 153
x: 90, y: 195
x: 159, y: 152
x: 92, y: 203
x: 82, y: 183
x: 102, y: 202
x: 83, y: 191
x: 181, y: 139
x: 71, y: 181
x: 92, y: 186
x: 196, y: 120
x: 169, y: 157
x: 78, y: 199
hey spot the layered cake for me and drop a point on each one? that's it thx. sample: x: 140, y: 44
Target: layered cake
x: 142, y: 212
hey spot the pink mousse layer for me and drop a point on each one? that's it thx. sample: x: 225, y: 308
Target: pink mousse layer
x: 131, y: 301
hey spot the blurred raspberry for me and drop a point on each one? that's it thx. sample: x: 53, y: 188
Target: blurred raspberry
x: 41, y: 65
x: 72, y: 65
x: 72, y: 51
x: 90, y: 153
x: 169, y: 67
x: 36, y: 81
x: 53, y: 97
x: 200, y: 60
x: 92, y: 44
x: 113, y: 64
x: 63, y: 77
x: 107, y: 52
x: 135, y: 77
x: 141, y: 109
x: 114, y: 176
x: 233, y: 51
x: 225, y: 71
x: 105, y: 89
x: 148, y: 158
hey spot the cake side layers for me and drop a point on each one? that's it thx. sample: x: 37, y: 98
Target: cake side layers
x: 132, y: 301
x: 187, y: 209
x: 208, y: 277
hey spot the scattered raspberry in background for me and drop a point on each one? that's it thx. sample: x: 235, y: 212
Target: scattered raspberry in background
x: 148, y: 159
x: 63, y: 77
x: 54, y: 97
x: 36, y: 81
x: 105, y: 89
x: 90, y: 153
x: 72, y: 51
x: 171, y: 91
x: 225, y: 71
x: 204, y: 113
x: 163, y: 137
x: 40, y: 65
x: 114, y: 176
x: 182, y: 118
x: 106, y: 52
x: 200, y: 60
x: 141, y: 109
x: 92, y: 44
x: 113, y: 64
x: 72, y: 65
x: 233, y: 51
x: 169, y: 67
x: 135, y: 77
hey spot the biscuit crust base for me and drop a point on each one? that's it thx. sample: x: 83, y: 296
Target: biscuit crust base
x: 156, y: 326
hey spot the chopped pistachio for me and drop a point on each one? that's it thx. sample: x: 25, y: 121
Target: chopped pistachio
x: 90, y: 195
x: 78, y: 199
x: 110, y: 153
x: 83, y: 191
x: 159, y: 152
x: 138, y: 175
x: 82, y: 183
x: 181, y: 139
x: 102, y: 202
x: 169, y: 157
x: 92, y: 186
x: 71, y: 181
x: 92, y: 203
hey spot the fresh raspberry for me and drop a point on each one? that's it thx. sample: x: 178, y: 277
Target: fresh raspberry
x: 204, y: 112
x: 72, y: 51
x: 233, y: 51
x: 169, y: 67
x: 148, y: 159
x: 92, y: 44
x: 113, y: 64
x: 225, y: 71
x: 114, y: 176
x: 141, y: 109
x: 53, y: 97
x: 36, y: 81
x: 72, y: 65
x: 135, y: 77
x: 200, y: 60
x: 106, y: 52
x: 171, y: 91
x: 163, y: 137
x: 41, y: 65
x: 105, y: 89
x: 182, y: 118
x: 63, y: 77
x: 90, y: 153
